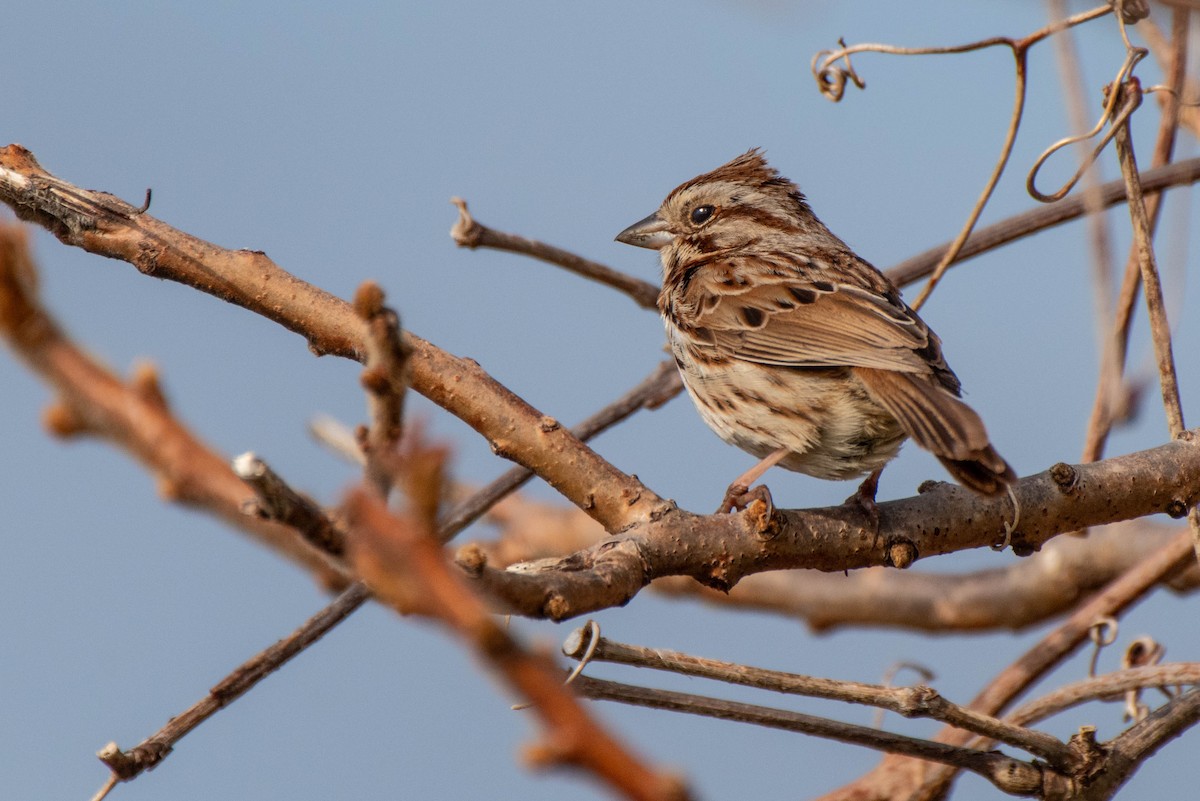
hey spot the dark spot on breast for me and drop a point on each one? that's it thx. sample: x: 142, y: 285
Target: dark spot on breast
x: 823, y: 286
x: 784, y: 303
x: 709, y: 302
x: 802, y: 294
x: 753, y: 317
x: 703, y: 334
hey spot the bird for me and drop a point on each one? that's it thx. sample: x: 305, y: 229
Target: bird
x: 796, y: 349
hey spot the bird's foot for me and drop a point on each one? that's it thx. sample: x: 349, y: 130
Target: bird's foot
x: 739, y: 496
x: 864, y: 499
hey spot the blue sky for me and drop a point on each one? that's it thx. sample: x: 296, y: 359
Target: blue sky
x: 333, y: 138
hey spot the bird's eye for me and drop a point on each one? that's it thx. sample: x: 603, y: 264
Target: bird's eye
x: 700, y: 214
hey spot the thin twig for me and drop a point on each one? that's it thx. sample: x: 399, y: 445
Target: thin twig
x: 1160, y: 327
x: 1129, y: 750
x: 831, y: 81
x: 1103, y: 413
x: 1040, y: 218
x: 912, y: 702
x: 125, y: 765
x: 385, y: 377
x: 1099, y: 237
x: 469, y: 233
x: 1063, y: 640
x: 1010, y: 775
x: 133, y: 415
x: 277, y: 500
x: 1105, y: 687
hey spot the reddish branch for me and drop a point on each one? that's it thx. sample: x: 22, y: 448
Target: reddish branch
x: 133, y: 414
x: 403, y: 562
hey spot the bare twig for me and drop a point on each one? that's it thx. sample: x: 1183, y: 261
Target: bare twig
x: 126, y: 765
x: 1062, y: 641
x: 1187, y: 96
x: 656, y: 389
x: 1103, y: 413
x: 1041, y: 218
x: 831, y: 81
x: 1105, y: 687
x: 1099, y: 238
x: 1013, y: 776
x: 1129, y: 750
x: 912, y: 702
x: 469, y: 233
x: 133, y: 415
x: 1160, y: 327
x: 277, y: 500
x: 385, y: 377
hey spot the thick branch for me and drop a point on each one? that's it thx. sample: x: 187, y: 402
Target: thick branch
x: 719, y: 550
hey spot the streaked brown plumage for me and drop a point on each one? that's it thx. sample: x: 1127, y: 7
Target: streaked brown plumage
x: 795, y: 349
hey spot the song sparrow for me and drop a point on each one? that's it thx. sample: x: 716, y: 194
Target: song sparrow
x: 794, y: 348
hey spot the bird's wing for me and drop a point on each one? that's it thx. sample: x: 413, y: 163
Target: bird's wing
x: 752, y: 309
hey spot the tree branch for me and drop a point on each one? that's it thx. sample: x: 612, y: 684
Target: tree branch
x: 1013, y: 776
x: 468, y: 233
x: 134, y: 416
x: 102, y: 224
x: 403, y: 562
x: 911, y: 702
x: 719, y: 550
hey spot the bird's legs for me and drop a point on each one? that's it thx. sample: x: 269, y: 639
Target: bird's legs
x: 864, y: 497
x: 739, y: 495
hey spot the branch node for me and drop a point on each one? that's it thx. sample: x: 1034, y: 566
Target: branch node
x: 62, y: 421
x: 465, y: 231
x: 1177, y: 508
x: 146, y: 386
x: 557, y: 607
x: 124, y: 765
x: 1090, y: 755
x: 548, y: 424
x: 1065, y: 478
x: 901, y: 554
x: 472, y: 559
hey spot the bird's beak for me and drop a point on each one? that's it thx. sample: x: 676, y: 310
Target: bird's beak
x: 648, y: 233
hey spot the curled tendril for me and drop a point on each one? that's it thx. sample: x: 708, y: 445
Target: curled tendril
x: 1102, y: 633
x: 1167, y: 90
x: 831, y: 78
x: 1125, y: 91
x: 1142, y: 652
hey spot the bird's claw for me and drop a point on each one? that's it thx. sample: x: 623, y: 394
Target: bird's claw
x: 739, y: 496
x: 864, y: 499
